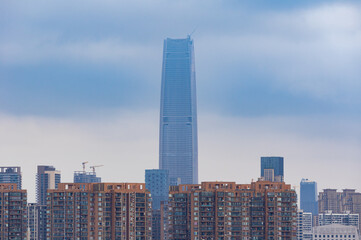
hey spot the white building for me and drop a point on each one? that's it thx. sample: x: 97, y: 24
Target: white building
x: 304, y: 225
x: 335, y: 232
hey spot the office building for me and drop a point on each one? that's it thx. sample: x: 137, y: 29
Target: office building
x: 92, y: 211
x: 13, y: 201
x: 11, y: 175
x: 308, y: 198
x: 304, y: 225
x: 86, y: 177
x: 340, y: 202
x: 47, y: 177
x: 347, y: 219
x: 178, y: 141
x: 272, y: 169
x: 335, y: 232
x: 226, y: 210
x: 36, y: 221
x: 157, y: 182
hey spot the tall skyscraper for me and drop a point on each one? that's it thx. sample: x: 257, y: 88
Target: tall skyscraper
x: 46, y: 178
x: 308, y: 199
x: 272, y: 169
x: 178, y: 141
x: 11, y: 175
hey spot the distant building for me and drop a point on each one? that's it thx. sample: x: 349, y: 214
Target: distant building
x: 47, y: 177
x: 226, y: 210
x: 11, y: 175
x: 308, y: 198
x: 13, y: 201
x: 347, y: 219
x: 86, y: 177
x: 157, y: 182
x: 272, y: 169
x: 93, y: 211
x: 36, y: 221
x: 340, y: 202
x: 178, y: 139
x: 335, y: 231
x: 304, y: 225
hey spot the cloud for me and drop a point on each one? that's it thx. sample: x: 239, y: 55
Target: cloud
x: 126, y: 142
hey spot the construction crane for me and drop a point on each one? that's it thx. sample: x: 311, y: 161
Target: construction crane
x: 83, y: 163
x: 93, y: 167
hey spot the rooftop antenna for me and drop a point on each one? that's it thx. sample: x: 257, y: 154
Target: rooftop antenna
x: 190, y: 35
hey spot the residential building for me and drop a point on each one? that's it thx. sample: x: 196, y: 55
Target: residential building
x: 308, y: 196
x: 272, y: 169
x: 13, y: 201
x: 335, y: 232
x: 304, y: 225
x: 178, y: 141
x: 86, y: 177
x: 340, y: 202
x: 89, y: 211
x: 347, y: 219
x: 47, y: 177
x: 11, y: 175
x: 226, y: 210
x: 36, y: 221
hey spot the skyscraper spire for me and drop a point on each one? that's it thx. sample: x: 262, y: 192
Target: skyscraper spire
x: 178, y: 141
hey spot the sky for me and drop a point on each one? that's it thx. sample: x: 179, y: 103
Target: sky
x: 80, y: 81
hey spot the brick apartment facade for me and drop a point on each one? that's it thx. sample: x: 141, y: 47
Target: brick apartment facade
x: 226, y: 210
x: 13, y: 202
x: 107, y: 211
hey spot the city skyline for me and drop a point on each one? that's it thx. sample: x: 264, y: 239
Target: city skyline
x: 278, y: 79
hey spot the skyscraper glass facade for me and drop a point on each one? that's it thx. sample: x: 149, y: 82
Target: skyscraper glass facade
x: 11, y: 175
x: 157, y: 182
x: 308, y: 198
x: 86, y: 177
x: 178, y: 141
x: 275, y: 163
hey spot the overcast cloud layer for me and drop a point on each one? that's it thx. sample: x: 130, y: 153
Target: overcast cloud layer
x: 77, y: 79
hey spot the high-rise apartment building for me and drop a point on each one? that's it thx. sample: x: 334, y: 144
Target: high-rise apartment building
x: 36, y: 221
x: 226, y: 210
x: 92, y: 211
x: 47, y: 177
x: 11, y: 175
x: 348, y: 219
x: 178, y: 141
x: 272, y: 169
x: 13, y: 201
x: 340, y: 202
x: 86, y: 177
x: 304, y: 225
x: 308, y: 198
